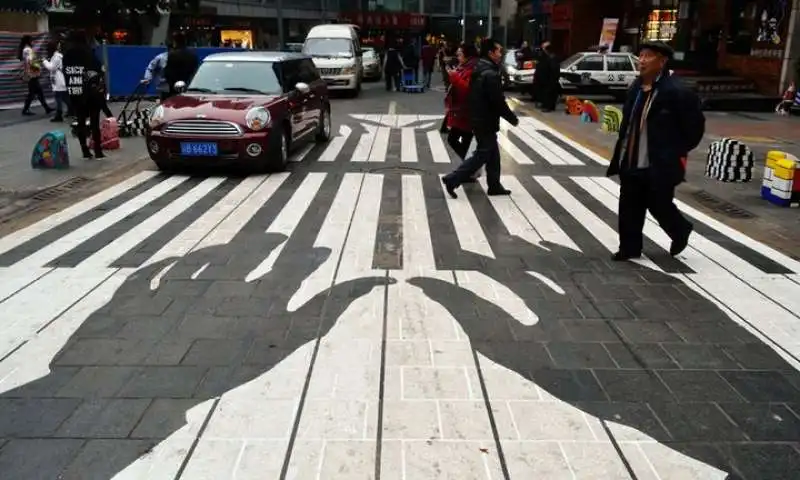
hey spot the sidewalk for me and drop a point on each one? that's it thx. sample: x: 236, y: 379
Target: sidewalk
x: 737, y: 205
x: 16, y: 145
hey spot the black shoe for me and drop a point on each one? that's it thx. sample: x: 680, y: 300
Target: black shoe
x: 624, y: 257
x: 471, y: 180
x: 496, y: 192
x: 451, y: 190
x: 679, y: 244
x: 99, y: 154
x: 57, y: 119
x: 87, y: 154
x: 28, y: 113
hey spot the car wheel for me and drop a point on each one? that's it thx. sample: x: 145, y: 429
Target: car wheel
x: 324, y: 133
x: 278, y: 157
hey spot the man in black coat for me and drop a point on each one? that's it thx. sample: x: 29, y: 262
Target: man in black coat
x: 181, y: 65
x: 487, y: 104
x: 662, y: 122
x: 545, y: 82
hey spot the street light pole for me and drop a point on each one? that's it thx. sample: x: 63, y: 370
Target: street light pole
x: 489, y: 27
x: 279, y: 15
x: 464, y: 21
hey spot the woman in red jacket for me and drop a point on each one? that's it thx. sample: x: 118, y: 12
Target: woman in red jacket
x: 460, y: 135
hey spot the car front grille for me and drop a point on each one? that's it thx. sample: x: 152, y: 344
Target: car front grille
x: 330, y: 71
x: 203, y: 128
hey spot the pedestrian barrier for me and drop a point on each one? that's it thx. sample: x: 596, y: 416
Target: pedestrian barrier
x: 51, y: 151
x: 729, y: 160
x: 612, y: 118
x: 573, y: 106
x: 781, y: 183
x: 589, y: 112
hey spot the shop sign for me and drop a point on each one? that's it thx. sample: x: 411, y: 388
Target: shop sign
x: 385, y: 20
x: 767, y: 53
x: 60, y: 6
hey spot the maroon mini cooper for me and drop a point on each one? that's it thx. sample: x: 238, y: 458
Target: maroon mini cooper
x: 245, y: 108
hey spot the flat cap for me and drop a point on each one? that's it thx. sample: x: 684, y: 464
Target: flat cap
x: 659, y: 47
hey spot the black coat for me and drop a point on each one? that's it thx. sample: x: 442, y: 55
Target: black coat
x: 675, y: 126
x: 487, y: 103
x: 83, y: 74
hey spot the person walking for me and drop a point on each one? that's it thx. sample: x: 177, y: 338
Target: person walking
x: 393, y: 66
x: 181, y: 64
x: 428, y: 62
x: 487, y: 104
x: 546, y: 79
x: 460, y: 135
x: 85, y: 81
x: 55, y: 65
x: 662, y: 122
x: 31, y: 71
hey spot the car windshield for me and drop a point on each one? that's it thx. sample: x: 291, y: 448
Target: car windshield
x: 223, y: 77
x: 510, y: 58
x: 566, y: 63
x: 328, y: 47
x: 369, y: 54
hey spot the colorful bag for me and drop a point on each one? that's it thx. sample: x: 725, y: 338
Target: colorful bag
x: 51, y: 151
x: 109, y: 134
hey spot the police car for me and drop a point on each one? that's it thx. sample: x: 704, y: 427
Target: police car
x: 598, y: 73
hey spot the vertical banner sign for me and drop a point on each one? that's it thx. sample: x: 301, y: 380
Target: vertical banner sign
x: 608, y: 33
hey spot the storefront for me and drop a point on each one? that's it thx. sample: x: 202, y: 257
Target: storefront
x: 23, y: 16
x: 376, y: 27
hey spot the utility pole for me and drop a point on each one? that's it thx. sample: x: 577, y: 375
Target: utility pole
x: 280, y: 24
x: 489, y: 27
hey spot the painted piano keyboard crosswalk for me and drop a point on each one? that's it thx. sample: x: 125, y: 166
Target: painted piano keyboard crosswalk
x: 432, y: 411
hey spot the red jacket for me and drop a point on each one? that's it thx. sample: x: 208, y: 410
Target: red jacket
x: 456, y: 100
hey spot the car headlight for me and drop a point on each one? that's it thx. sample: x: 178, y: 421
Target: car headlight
x: 157, y: 116
x: 257, y: 118
x: 349, y: 70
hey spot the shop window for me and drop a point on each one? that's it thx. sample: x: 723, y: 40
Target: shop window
x: 437, y: 6
x: 236, y: 38
x: 661, y: 25
x: 591, y: 63
x: 619, y: 63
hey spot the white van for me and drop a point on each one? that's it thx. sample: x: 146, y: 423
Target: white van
x: 336, y: 52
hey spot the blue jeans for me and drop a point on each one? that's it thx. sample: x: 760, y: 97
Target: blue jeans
x: 487, y: 152
x: 61, y: 99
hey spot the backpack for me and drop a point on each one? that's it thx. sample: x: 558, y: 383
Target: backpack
x: 51, y: 151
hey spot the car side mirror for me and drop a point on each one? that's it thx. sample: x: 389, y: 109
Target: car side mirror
x: 302, y: 87
x: 180, y: 86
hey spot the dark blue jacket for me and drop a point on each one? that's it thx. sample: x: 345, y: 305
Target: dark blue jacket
x: 675, y: 126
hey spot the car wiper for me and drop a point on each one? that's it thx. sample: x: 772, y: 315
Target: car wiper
x: 243, y: 89
x: 201, y: 90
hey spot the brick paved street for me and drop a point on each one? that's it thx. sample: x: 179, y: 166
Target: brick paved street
x: 347, y: 319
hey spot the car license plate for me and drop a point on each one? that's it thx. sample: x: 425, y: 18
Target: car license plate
x: 199, y: 149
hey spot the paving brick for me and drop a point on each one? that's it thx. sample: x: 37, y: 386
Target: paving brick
x: 569, y: 385
x: 628, y: 413
x: 703, y: 422
x: 761, y: 386
x: 104, y: 418
x: 698, y: 386
x: 164, y: 382
x: 162, y: 417
x: 146, y: 327
x: 34, y: 417
x: 97, y: 382
x: 39, y: 458
x: 640, y: 356
x: 580, y: 355
x: 590, y: 331
x: 216, y: 352
x: 228, y: 288
x: 755, y: 356
x: 105, y: 458
x: 767, y: 422
x: 770, y: 461
x: 700, y: 356
x: 632, y: 386
x: 637, y: 331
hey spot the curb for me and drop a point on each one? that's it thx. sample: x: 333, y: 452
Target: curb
x: 22, y: 203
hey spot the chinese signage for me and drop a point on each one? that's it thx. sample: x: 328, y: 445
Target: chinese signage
x: 384, y: 20
x: 609, y: 33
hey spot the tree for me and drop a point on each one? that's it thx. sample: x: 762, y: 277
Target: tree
x: 111, y: 12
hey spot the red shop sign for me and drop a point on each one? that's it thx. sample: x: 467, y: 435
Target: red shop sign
x: 385, y: 20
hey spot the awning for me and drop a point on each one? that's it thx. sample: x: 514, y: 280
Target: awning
x: 27, y: 6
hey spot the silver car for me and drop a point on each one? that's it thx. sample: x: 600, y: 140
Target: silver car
x: 517, y: 76
x: 372, y: 64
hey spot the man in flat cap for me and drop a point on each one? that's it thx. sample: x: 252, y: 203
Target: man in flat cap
x: 662, y: 122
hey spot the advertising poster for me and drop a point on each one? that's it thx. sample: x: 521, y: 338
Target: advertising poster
x: 608, y: 33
